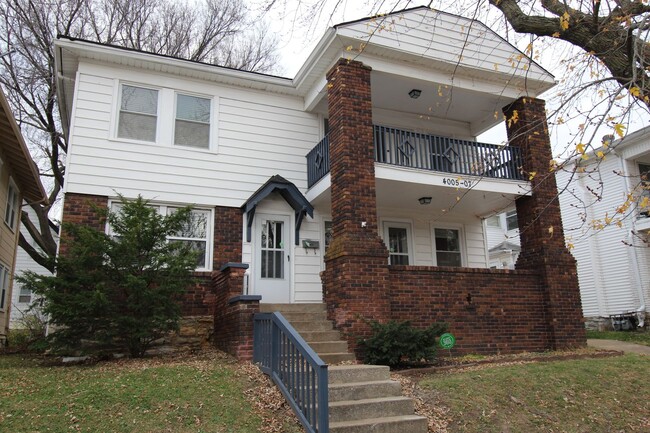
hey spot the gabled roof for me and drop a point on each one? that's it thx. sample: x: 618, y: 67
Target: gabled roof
x: 505, y: 246
x: 23, y: 168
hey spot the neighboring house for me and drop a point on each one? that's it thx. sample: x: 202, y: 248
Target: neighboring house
x: 502, y: 235
x: 22, y: 297
x: 613, y: 259
x: 358, y: 182
x: 19, y: 180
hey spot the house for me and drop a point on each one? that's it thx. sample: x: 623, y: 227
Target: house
x: 357, y: 183
x: 22, y: 298
x: 19, y: 180
x: 502, y: 236
x: 611, y: 248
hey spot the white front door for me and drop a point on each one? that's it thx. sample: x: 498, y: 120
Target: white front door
x: 272, y: 258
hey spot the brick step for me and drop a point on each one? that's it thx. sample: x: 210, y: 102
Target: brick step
x: 370, y: 408
x: 364, y: 390
x: 393, y: 424
x: 342, y: 374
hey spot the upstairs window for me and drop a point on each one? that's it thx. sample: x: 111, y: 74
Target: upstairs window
x: 11, y: 210
x: 192, y: 125
x: 138, y: 113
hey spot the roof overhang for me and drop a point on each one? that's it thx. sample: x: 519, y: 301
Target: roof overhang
x: 23, y: 169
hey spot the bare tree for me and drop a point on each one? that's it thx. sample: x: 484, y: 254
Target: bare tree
x: 212, y: 31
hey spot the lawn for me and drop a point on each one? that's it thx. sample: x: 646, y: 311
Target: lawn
x: 638, y: 337
x: 600, y: 395
x: 206, y: 393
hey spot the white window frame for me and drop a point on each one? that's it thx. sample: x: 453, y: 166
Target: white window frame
x: 496, y: 219
x: 23, y: 293
x: 118, y: 109
x: 12, y: 209
x: 211, y: 123
x: 5, y: 285
x: 511, y: 213
x: 387, y: 224
x: 461, y: 240
x: 163, y: 209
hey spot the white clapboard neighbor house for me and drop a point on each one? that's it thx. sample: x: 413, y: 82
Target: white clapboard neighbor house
x: 612, y: 249
x: 358, y: 183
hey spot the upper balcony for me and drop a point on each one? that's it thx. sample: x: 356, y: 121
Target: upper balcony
x: 410, y: 164
x: 428, y: 152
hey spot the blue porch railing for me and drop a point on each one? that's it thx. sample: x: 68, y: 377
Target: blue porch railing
x: 428, y: 152
x: 294, y: 367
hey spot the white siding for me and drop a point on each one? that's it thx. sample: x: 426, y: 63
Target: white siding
x: 257, y: 135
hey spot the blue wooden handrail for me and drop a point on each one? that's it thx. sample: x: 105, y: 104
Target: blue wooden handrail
x: 294, y: 367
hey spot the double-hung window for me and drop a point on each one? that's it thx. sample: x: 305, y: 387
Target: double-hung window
x: 11, y: 209
x: 192, y: 124
x: 4, y: 286
x: 448, y: 247
x: 138, y: 113
x: 511, y: 220
x: 195, y: 233
x: 397, y: 238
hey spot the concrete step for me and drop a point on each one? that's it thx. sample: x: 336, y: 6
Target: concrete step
x: 319, y: 325
x: 336, y: 358
x: 394, y: 424
x: 364, y: 390
x: 370, y: 408
x: 301, y: 316
x: 328, y: 346
x: 317, y: 336
x: 295, y: 308
x: 358, y: 373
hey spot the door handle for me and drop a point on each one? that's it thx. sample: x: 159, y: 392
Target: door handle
x: 288, y: 258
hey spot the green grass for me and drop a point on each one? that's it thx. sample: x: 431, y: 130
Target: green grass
x: 126, y: 396
x: 576, y: 396
x: 638, y: 337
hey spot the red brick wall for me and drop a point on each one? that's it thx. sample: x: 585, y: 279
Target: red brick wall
x: 80, y: 209
x: 355, y: 279
x: 540, y: 224
x: 227, y: 236
x: 488, y: 311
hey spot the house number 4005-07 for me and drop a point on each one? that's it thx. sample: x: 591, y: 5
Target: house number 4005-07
x: 457, y: 182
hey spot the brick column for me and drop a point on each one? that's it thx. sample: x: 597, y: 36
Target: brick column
x: 540, y: 224
x: 355, y: 280
x: 81, y: 209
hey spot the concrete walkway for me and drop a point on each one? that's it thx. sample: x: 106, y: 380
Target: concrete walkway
x: 620, y: 346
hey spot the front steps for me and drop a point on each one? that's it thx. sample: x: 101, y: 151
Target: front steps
x: 362, y: 398
x: 310, y: 320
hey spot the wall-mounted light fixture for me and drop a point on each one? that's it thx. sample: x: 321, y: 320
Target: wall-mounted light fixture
x: 425, y: 200
x: 415, y: 93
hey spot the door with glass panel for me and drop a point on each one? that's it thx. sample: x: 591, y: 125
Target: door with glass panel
x: 273, y: 258
x: 397, y: 238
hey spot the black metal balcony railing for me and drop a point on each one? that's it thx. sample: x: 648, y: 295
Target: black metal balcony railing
x: 428, y: 152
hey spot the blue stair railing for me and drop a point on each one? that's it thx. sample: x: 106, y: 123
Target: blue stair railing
x: 294, y: 367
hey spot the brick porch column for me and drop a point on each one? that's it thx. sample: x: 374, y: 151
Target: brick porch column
x: 540, y: 225
x: 355, y: 280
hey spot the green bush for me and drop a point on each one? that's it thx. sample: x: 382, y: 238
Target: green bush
x: 395, y: 343
x: 119, y: 290
x: 29, y: 336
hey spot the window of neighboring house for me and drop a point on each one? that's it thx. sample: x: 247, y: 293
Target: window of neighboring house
x: 11, y: 210
x: 138, y: 113
x: 25, y: 295
x: 192, y: 125
x: 644, y: 171
x: 448, y: 247
x: 197, y: 232
x: 397, y: 239
x: 493, y: 221
x: 4, y: 286
x: 511, y: 220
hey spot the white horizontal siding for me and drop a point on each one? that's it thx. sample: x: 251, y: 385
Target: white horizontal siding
x: 257, y: 136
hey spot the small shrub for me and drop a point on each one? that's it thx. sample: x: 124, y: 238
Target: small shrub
x: 394, y: 343
x: 30, y: 334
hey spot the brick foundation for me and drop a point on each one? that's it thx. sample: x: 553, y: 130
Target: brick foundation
x: 81, y: 209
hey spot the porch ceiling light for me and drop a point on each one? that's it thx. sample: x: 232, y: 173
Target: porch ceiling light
x: 424, y: 200
x: 415, y: 93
